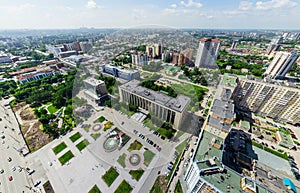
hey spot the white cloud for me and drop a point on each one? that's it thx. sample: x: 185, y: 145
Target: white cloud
x: 169, y: 11
x: 191, y: 3
x: 91, y: 4
x: 173, y: 6
x: 273, y: 4
x: 245, y: 5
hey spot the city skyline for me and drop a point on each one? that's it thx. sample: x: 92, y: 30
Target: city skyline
x: 234, y: 14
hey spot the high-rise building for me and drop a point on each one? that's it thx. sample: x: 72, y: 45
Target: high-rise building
x: 207, y: 53
x: 281, y: 64
x: 175, y: 57
x: 139, y: 59
x: 95, y: 90
x: 234, y: 44
x: 274, y: 45
x: 269, y: 98
x: 154, y: 51
x: 85, y: 46
x: 167, y: 108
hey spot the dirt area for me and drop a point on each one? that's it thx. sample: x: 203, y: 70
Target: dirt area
x: 30, y: 127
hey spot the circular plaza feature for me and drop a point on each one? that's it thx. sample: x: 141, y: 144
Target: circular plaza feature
x: 111, y: 144
x: 134, y: 159
x: 97, y: 127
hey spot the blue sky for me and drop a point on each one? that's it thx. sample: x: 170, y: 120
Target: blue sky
x: 49, y: 14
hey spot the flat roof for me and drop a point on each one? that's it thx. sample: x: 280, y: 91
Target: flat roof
x: 228, y: 80
x: 178, y: 104
x: 245, y: 124
x: 219, y: 124
x: 93, y: 81
x: 223, y: 109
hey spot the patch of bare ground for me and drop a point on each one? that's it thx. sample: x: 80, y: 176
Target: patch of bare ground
x: 31, y: 127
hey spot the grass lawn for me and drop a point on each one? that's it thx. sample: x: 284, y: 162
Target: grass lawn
x: 82, y: 144
x: 124, y: 187
x: 179, y: 134
x: 136, y: 174
x: 95, y: 189
x: 178, y: 188
x: 87, y: 128
x: 100, y: 119
x: 95, y: 135
x: 156, y: 188
x: 108, y: 125
x: 59, y: 148
x: 135, y: 146
x: 148, y: 156
x: 179, y: 148
x: 110, y: 176
x: 52, y: 109
x: 66, y: 157
x: 121, y: 160
x: 75, y: 136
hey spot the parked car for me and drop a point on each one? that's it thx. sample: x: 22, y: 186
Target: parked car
x: 37, y: 183
x: 10, y: 178
x: 1, y: 171
x: 9, y: 159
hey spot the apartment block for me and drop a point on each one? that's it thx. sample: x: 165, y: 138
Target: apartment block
x: 269, y: 98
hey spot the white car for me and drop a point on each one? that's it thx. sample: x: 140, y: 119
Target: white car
x: 13, y: 168
x: 1, y: 171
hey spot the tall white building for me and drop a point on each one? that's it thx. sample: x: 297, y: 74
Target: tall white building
x: 139, y: 59
x: 207, y: 53
x: 281, y: 64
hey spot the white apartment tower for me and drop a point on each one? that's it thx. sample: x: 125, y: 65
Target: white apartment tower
x: 207, y: 53
x: 281, y: 64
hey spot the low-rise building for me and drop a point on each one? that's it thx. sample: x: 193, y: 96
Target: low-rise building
x: 120, y: 72
x: 168, y: 109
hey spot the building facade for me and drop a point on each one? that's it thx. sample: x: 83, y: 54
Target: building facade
x: 139, y: 59
x: 168, y: 109
x: 271, y: 99
x: 120, y: 72
x: 281, y: 64
x: 207, y: 53
x: 95, y: 91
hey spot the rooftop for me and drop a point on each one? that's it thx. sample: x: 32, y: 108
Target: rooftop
x: 223, y: 109
x: 218, y: 124
x: 93, y: 81
x: 228, y: 80
x: 178, y: 104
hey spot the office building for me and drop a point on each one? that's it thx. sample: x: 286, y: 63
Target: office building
x: 139, y: 59
x: 160, y: 105
x: 281, y: 64
x: 269, y: 98
x: 207, y: 53
x: 120, y: 72
x: 274, y: 45
x: 175, y: 57
x: 95, y: 91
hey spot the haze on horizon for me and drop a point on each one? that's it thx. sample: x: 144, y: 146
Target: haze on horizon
x: 207, y: 14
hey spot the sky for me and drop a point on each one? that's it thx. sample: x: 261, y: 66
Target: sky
x: 215, y: 14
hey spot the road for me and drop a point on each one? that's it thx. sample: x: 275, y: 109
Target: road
x: 11, y: 142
